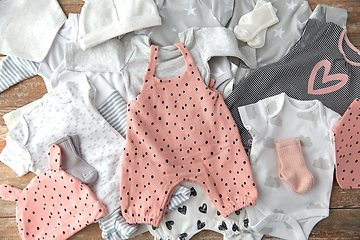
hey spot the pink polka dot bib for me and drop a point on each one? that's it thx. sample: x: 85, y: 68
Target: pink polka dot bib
x: 179, y: 129
x: 54, y: 205
x: 347, y: 144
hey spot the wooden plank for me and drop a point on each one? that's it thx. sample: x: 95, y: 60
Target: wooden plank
x: 342, y: 224
x: 344, y: 198
x: 23, y: 93
x: 72, y: 8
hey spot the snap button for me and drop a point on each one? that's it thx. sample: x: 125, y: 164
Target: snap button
x: 287, y: 218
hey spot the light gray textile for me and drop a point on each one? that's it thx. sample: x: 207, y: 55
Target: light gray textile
x: 14, y: 70
x: 130, y: 58
x: 178, y: 16
x: 330, y: 14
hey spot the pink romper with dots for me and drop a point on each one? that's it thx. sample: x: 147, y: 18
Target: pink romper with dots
x: 347, y: 143
x: 178, y: 130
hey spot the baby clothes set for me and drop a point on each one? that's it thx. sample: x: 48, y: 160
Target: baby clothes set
x: 161, y: 132
x: 322, y: 65
x: 67, y: 110
x: 181, y: 129
x: 108, y: 100
x: 280, y: 211
x: 54, y: 204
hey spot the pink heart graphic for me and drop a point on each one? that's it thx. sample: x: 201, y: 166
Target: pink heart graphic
x: 326, y: 78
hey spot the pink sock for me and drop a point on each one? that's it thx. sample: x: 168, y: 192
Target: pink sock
x: 292, y: 168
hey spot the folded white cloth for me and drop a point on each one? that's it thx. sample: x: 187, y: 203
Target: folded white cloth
x: 28, y: 28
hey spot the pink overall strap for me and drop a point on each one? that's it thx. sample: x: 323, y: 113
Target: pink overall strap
x: 152, y: 60
x: 186, y: 54
x: 55, y: 157
x: 9, y: 193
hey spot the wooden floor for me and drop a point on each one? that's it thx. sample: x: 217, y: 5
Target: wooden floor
x: 344, y: 220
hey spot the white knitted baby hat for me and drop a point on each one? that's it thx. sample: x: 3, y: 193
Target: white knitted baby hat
x: 101, y: 20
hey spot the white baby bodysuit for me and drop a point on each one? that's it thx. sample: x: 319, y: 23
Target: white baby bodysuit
x: 199, y: 213
x: 280, y: 211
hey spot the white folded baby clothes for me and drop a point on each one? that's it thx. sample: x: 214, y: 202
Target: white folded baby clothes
x: 24, y: 32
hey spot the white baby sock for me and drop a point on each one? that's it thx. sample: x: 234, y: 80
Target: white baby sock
x: 259, y: 40
x: 253, y: 25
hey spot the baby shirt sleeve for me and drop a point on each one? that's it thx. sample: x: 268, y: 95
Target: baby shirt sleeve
x: 254, y: 117
x: 330, y: 14
x: 14, y: 70
x: 15, y: 154
x: 110, y: 56
x: 329, y: 117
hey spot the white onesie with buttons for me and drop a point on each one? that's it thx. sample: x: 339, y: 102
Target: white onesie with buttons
x: 280, y: 211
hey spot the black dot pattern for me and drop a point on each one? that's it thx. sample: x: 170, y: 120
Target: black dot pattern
x: 54, y: 203
x: 185, y: 134
x: 347, y: 145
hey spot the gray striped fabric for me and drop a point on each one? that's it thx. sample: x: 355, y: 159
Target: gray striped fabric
x: 114, y: 110
x: 302, y: 74
x: 14, y: 70
x: 114, y: 227
x: 178, y: 197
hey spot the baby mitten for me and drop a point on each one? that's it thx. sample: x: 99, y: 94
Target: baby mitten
x: 72, y: 163
x: 292, y: 168
x: 252, y: 26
